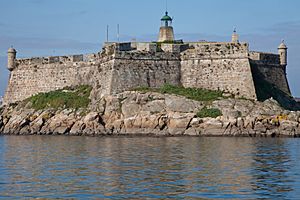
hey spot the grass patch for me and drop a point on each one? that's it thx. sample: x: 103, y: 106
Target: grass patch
x: 73, y: 98
x: 209, y: 112
x: 190, y: 93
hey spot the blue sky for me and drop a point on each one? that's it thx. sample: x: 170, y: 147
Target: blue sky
x: 59, y: 27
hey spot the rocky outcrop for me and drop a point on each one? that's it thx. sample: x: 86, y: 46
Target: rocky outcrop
x: 136, y: 113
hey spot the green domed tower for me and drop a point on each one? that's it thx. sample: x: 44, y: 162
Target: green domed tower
x: 166, y: 32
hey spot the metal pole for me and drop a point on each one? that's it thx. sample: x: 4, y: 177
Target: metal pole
x: 118, y: 32
x: 107, y: 33
x: 166, y: 5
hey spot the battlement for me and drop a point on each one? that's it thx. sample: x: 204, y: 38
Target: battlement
x: 225, y: 66
x: 264, y: 58
x: 152, y: 47
x: 215, y: 50
x: 57, y: 59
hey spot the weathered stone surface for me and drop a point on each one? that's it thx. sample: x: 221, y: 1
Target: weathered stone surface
x: 212, y: 127
x: 179, y: 104
x: 178, y: 123
x: 130, y: 109
x: 77, y: 128
x: 17, y: 121
x: 148, y: 114
x: 59, y: 124
x: 156, y: 106
x: 122, y: 66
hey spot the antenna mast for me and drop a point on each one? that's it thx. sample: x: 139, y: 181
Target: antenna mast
x: 118, y: 32
x: 107, y: 27
x: 166, y: 5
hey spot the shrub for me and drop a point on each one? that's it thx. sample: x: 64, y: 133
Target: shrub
x: 191, y: 93
x: 209, y: 112
x: 74, y: 98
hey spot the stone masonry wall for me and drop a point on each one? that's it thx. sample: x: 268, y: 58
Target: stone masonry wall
x: 218, y: 66
x: 108, y: 72
x: 136, y: 69
x: 273, y: 74
x: 37, y: 75
x: 268, y: 67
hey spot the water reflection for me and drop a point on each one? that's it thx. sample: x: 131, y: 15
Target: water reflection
x: 271, y: 162
x: 179, y: 168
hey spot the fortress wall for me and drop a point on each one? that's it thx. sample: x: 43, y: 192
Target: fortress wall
x: 264, y: 58
x: 229, y: 67
x: 216, y: 50
x: 267, y: 66
x: 152, y: 70
x: 218, y: 66
x: 274, y: 74
x: 32, y: 76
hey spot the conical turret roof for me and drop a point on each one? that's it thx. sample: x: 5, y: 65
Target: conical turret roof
x: 11, y: 50
x: 282, y: 45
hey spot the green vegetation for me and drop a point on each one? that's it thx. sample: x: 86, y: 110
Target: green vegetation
x: 209, y: 112
x: 190, y: 93
x: 75, y: 98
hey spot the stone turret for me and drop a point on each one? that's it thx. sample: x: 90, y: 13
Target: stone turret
x: 235, y: 37
x: 282, y: 50
x: 11, y: 59
x: 166, y: 32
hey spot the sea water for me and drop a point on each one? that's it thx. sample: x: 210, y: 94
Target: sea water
x: 149, y: 168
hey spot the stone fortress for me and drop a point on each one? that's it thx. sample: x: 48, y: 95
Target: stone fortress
x: 225, y: 66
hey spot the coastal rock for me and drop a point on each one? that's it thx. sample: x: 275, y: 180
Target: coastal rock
x: 155, y: 106
x: 289, y: 128
x: 17, y: 121
x: 59, y: 124
x: 193, y: 132
x: 244, y: 107
x: 178, y: 123
x: 77, y: 128
x: 260, y: 127
x: 135, y: 113
x: 130, y: 108
x: 38, y: 122
x: 212, y: 127
x: 1, y: 123
x: 179, y: 104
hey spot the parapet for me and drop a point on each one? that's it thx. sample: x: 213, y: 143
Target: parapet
x: 264, y: 58
x: 216, y: 50
x: 153, y: 47
x: 116, y: 46
x: 57, y: 59
x: 171, y: 47
x: 146, y: 46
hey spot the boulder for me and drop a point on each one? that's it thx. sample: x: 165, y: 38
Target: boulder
x: 130, y: 108
x: 178, y: 123
x: 156, y: 106
x: 59, y: 124
x: 17, y: 121
x: 181, y: 104
x: 77, y: 128
x: 212, y: 127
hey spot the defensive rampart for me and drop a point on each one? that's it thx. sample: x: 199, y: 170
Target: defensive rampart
x: 218, y: 66
x: 229, y: 67
x: 267, y: 66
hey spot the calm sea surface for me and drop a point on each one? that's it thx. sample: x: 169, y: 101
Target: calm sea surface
x: 149, y: 168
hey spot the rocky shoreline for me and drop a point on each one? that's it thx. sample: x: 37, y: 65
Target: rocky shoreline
x: 154, y: 114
